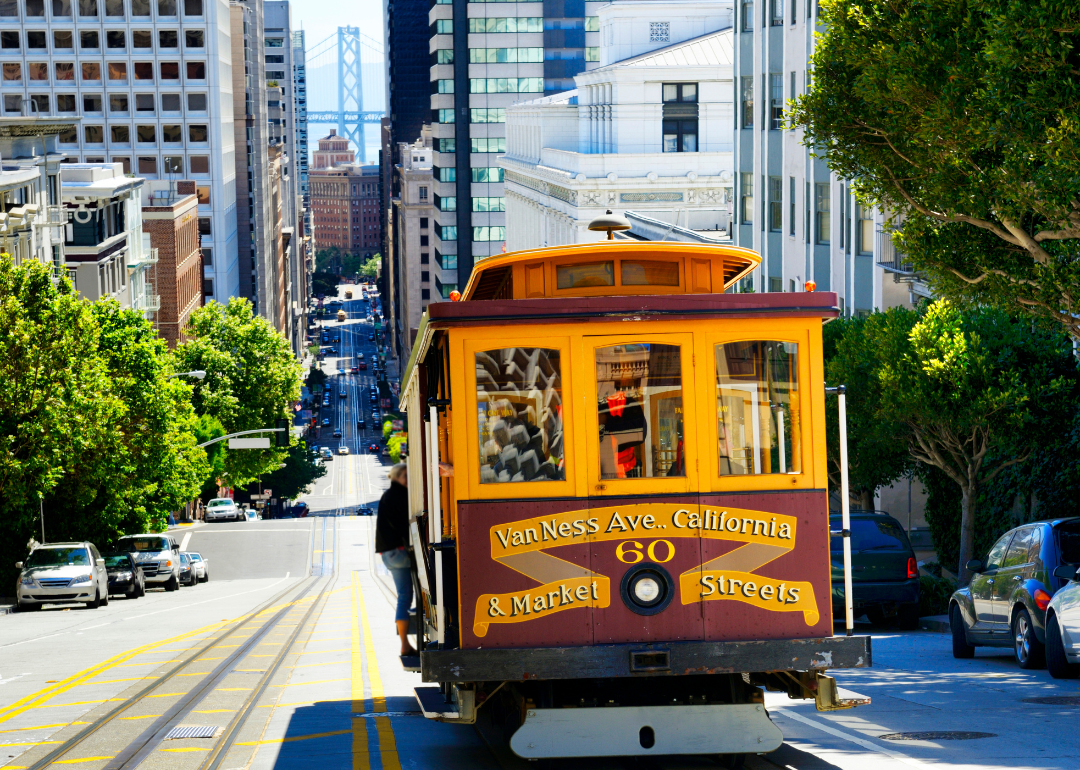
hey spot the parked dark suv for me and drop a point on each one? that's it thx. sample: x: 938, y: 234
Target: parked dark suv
x: 1005, y: 603
x: 884, y: 574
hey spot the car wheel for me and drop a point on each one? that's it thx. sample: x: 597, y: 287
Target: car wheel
x: 961, y: 648
x: 1027, y: 649
x: 105, y: 598
x: 172, y: 584
x: 908, y: 617
x: 206, y: 577
x: 96, y: 603
x: 132, y: 592
x: 731, y: 761
x: 1056, y: 663
x: 29, y: 606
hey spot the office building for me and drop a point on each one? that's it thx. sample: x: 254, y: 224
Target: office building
x: 333, y: 151
x: 170, y: 221
x: 650, y: 134
x: 34, y: 219
x: 802, y: 218
x: 106, y: 252
x: 152, y: 83
x: 416, y: 279
x: 299, y: 58
x: 345, y: 208
x: 484, y: 57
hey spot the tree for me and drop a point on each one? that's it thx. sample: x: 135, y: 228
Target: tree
x: 324, y: 283
x: 208, y: 428
x: 299, y: 472
x: 370, y: 270
x: 351, y: 264
x: 877, y: 447
x: 978, y: 392
x: 959, y: 117
x: 252, y: 379
x: 148, y: 464
x: 327, y: 259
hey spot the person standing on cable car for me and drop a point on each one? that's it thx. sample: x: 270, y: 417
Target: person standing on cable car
x: 392, y: 544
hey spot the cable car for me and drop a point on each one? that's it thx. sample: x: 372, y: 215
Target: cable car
x: 634, y: 542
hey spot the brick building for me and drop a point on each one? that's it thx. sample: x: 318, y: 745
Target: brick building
x: 172, y: 224
x: 345, y: 208
x: 333, y: 151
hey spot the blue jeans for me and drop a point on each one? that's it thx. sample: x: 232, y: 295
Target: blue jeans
x: 397, y: 561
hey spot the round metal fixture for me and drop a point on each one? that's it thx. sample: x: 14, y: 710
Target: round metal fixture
x: 609, y: 223
x: 647, y: 589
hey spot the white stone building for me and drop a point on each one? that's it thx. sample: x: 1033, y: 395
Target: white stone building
x: 152, y: 83
x: 105, y: 250
x: 651, y: 133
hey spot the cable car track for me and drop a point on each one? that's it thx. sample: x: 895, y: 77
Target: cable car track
x: 136, y: 751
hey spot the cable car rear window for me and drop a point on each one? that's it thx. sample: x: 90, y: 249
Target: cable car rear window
x: 585, y: 275
x: 649, y: 273
x: 519, y: 406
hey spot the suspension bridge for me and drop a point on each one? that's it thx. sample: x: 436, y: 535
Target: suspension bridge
x: 346, y: 86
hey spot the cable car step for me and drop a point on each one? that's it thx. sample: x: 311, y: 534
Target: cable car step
x: 433, y: 703
x: 410, y: 663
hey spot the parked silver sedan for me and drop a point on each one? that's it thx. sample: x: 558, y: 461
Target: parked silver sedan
x: 62, y: 573
x: 201, y: 566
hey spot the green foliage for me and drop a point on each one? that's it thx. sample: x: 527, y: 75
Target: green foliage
x: 877, y: 447
x: 387, y: 429
x: 370, y: 270
x: 299, y: 471
x: 351, y: 264
x: 324, y: 283
x: 208, y: 428
x: 959, y: 117
x: 251, y: 380
x: 327, y: 260
x: 934, y: 595
x: 316, y: 378
x: 394, y: 447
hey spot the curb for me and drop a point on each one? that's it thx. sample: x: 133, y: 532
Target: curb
x: 936, y: 623
x: 8, y: 609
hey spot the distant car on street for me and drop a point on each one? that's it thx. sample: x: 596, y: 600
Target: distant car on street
x: 337, y: 434
x: 1006, y: 604
x: 327, y: 454
x: 343, y: 450
x: 360, y: 424
x: 222, y: 509
x: 62, y: 573
x: 371, y: 336
x: 365, y: 511
x: 373, y: 448
x: 125, y: 576
x: 326, y: 422
x: 202, y: 567
x: 343, y: 394
x: 884, y: 573
x: 362, y: 365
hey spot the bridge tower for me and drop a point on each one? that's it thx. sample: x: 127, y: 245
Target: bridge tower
x: 350, y: 87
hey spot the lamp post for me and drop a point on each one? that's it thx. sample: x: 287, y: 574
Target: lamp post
x: 198, y: 374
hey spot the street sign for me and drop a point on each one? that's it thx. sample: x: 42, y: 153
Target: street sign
x: 262, y: 442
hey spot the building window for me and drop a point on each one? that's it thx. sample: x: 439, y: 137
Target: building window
x: 592, y: 23
x: 88, y: 40
x: 174, y: 164
x: 446, y: 115
x: 146, y: 134
x: 424, y: 241
x: 487, y: 174
x: 806, y: 212
x: 485, y: 204
x: 198, y: 134
x: 444, y: 26
x: 822, y: 223
x: 144, y: 70
x: 680, y: 135
x: 168, y: 38
x: 487, y: 115
x: 777, y: 15
x: 64, y: 102
x: 196, y: 70
x: 425, y: 294
x: 444, y: 56
x: 423, y: 193
x: 507, y: 24
x: 791, y: 206
x: 448, y: 174
x: 680, y: 124
x: 447, y: 233
x: 747, y: 188
x: 506, y: 85
x: 120, y: 134
x: 446, y: 203
x: 659, y: 31
x: 91, y: 103
x: 38, y: 70
x: 748, y: 102
x: 776, y: 101
x: 194, y: 38
x: 592, y: 53
x: 147, y: 165
x: 488, y: 144
x: 36, y: 39
x: 10, y: 39
x: 446, y: 86
x: 506, y: 55
x: 866, y: 230
x: 423, y: 223
x: 776, y: 210
x: 425, y: 276
x: 196, y: 102
x: 144, y: 103
x: 142, y: 38
x: 747, y: 15
x: 486, y: 234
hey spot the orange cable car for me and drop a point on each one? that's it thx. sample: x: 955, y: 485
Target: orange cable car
x: 638, y: 514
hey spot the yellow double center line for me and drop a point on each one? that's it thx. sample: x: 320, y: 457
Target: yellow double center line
x: 384, y: 730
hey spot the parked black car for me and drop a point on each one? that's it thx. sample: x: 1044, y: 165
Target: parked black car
x: 884, y: 573
x: 188, y: 576
x: 125, y: 575
x: 1005, y: 603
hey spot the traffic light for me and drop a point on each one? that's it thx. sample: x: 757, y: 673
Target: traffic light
x: 282, y: 435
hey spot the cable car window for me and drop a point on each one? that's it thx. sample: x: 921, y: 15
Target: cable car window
x: 584, y: 276
x: 649, y: 273
x: 757, y: 408
x: 640, y: 411
x: 519, y: 405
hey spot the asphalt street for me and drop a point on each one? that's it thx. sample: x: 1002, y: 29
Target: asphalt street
x: 289, y: 654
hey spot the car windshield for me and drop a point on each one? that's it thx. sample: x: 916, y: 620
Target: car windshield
x: 1068, y: 534
x: 219, y: 503
x: 145, y: 543
x: 870, y: 535
x: 184, y: 558
x: 59, y: 557
x: 118, y: 562
x: 195, y: 557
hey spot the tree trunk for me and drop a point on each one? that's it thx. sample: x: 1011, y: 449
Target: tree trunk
x: 967, y: 531
x: 866, y: 499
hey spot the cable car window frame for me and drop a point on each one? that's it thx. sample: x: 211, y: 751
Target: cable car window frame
x: 651, y: 485
x: 498, y: 339
x: 618, y: 287
x: 812, y: 433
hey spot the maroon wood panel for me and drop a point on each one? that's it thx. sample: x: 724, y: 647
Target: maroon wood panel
x: 479, y: 574
x: 808, y: 561
x: 678, y: 621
